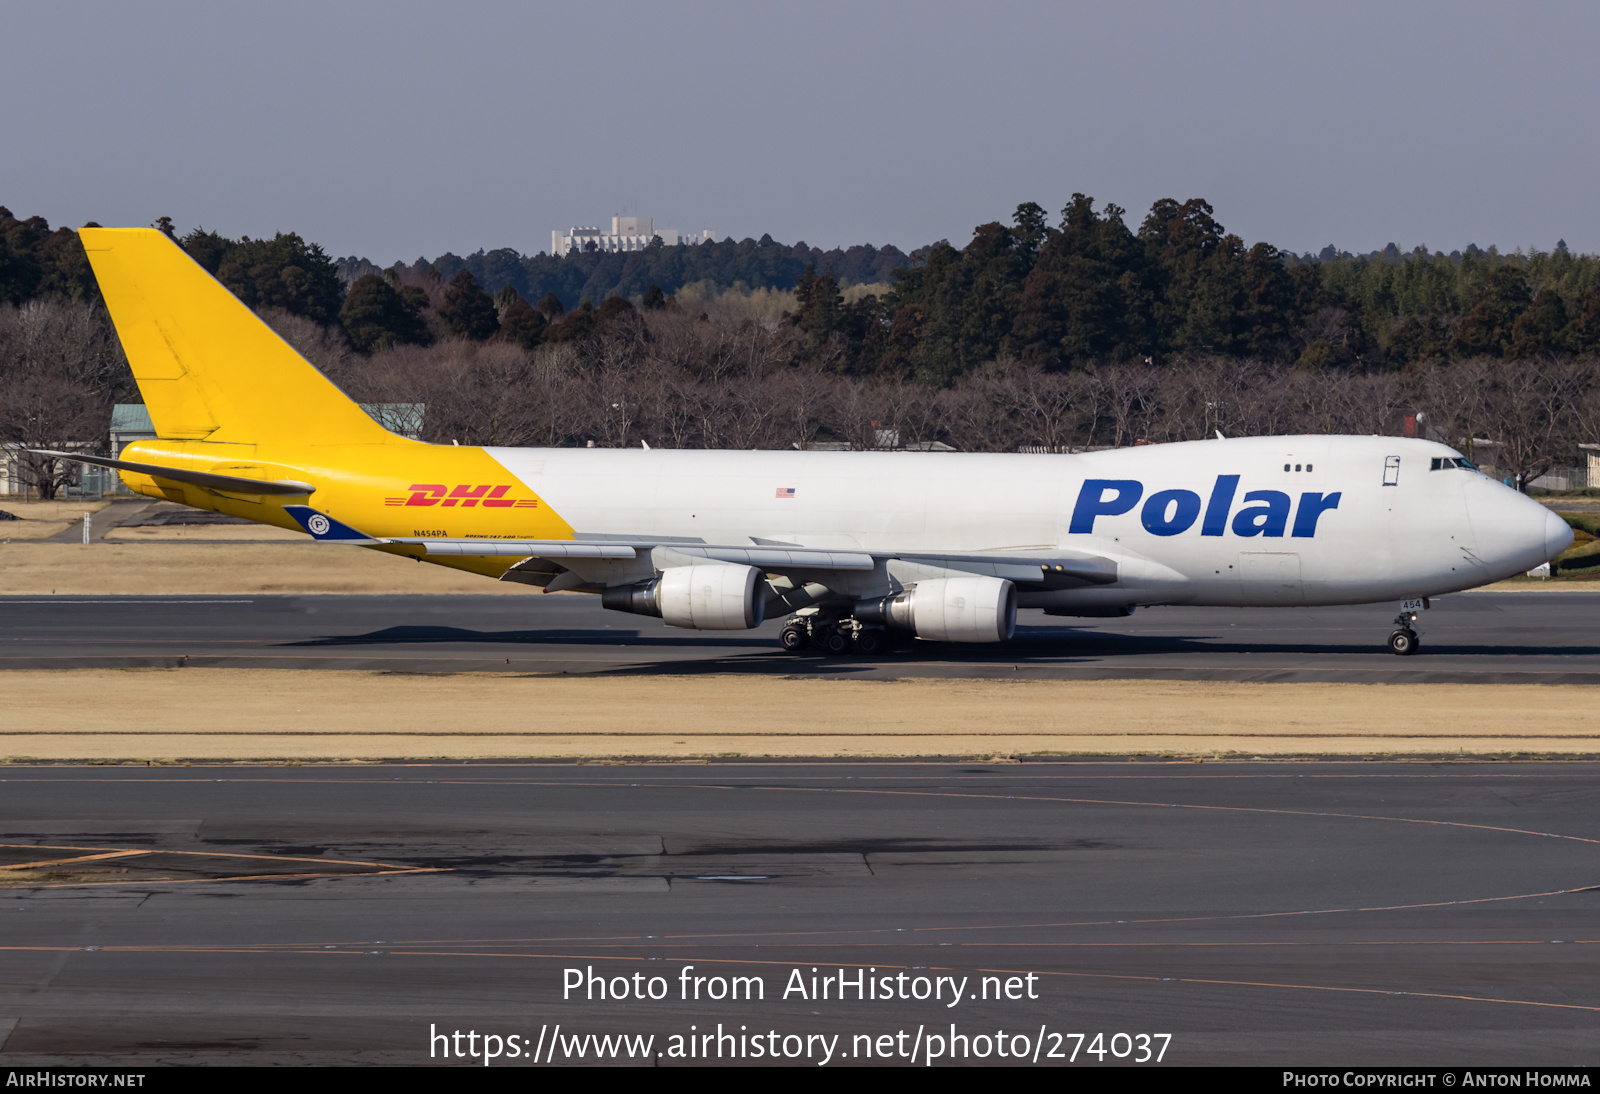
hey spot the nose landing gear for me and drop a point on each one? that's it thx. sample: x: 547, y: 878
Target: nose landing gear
x: 1404, y: 640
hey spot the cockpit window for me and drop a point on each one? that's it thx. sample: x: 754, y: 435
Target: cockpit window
x: 1449, y: 463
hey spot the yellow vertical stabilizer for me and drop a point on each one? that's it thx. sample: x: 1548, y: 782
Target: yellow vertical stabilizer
x: 208, y: 368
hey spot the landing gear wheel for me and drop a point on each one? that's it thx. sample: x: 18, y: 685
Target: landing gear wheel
x: 836, y: 642
x: 794, y: 639
x: 871, y: 643
x: 1404, y: 642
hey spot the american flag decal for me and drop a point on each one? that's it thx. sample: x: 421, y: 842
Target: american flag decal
x: 785, y: 492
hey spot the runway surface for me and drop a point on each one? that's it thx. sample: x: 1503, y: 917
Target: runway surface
x: 1533, y: 637
x: 1311, y: 914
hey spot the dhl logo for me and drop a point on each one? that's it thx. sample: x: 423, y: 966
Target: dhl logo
x: 466, y: 496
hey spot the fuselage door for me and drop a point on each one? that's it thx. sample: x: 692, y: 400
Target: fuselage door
x: 1270, y: 577
x: 1391, y: 471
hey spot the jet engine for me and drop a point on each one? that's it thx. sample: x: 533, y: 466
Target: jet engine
x: 716, y: 597
x: 949, y: 609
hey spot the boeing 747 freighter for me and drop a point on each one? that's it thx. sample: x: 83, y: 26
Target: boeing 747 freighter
x: 857, y: 546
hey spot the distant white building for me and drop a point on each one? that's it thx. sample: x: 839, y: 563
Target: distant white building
x: 627, y: 234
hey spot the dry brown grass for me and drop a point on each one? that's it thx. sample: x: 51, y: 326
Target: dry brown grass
x: 265, y: 714
x: 51, y: 510
x: 43, y: 519
x: 124, y: 568
x: 23, y: 530
x: 205, y: 533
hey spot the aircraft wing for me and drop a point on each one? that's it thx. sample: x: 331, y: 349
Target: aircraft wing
x: 521, y: 548
x: 1028, y: 567
x: 770, y: 559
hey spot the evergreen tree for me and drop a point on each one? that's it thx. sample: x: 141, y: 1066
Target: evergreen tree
x: 206, y: 248
x: 375, y: 315
x: 468, y: 310
x: 1486, y: 329
x: 1417, y: 338
x: 550, y: 307
x: 1031, y: 228
x: 1583, y: 335
x: 821, y: 306
x: 575, y: 327
x: 34, y: 261
x: 1266, y: 302
x: 20, y: 270
x: 283, y: 272
x: 1192, y: 291
x: 1085, y: 298
x: 1541, y: 329
x: 613, y: 306
x: 523, y: 324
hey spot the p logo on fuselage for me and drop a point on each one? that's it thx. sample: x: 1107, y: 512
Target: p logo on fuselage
x: 1172, y: 512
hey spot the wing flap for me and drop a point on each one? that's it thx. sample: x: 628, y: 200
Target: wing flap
x: 778, y: 559
x: 1023, y: 568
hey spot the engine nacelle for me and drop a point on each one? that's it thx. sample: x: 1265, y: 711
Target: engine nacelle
x: 715, y: 597
x: 720, y: 597
x: 949, y: 609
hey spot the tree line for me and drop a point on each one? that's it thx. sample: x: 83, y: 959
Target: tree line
x: 596, y: 275
x: 1042, y: 336
x: 1087, y: 289
x: 1091, y: 289
x: 673, y: 378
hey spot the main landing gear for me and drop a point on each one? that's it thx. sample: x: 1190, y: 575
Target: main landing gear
x: 807, y: 630
x: 1404, y: 640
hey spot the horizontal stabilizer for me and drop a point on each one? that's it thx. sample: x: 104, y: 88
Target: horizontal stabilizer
x: 207, y: 479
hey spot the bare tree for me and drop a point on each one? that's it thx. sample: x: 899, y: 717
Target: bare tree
x: 1531, y: 418
x: 1047, y: 406
x: 982, y: 411
x: 59, y: 361
x: 1456, y: 400
x: 325, y: 347
x: 1131, y: 397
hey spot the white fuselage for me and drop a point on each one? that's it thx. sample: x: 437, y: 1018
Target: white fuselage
x: 1352, y: 520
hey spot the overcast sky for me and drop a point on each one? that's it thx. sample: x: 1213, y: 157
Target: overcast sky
x: 395, y: 130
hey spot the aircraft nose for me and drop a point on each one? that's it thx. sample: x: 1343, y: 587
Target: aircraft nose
x: 1557, y: 535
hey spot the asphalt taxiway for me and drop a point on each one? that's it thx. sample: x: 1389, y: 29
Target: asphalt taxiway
x: 1541, y: 636
x: 1265, y: 914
